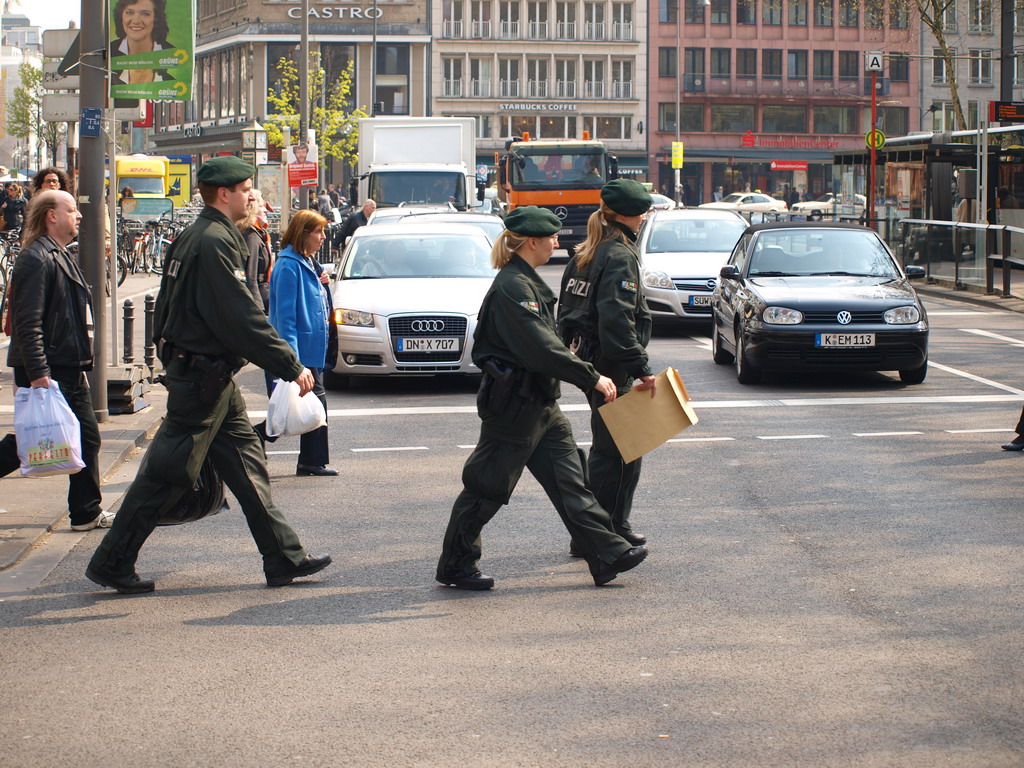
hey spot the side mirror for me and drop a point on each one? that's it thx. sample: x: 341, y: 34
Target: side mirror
x: 914, y: 272
x: 729, y: 272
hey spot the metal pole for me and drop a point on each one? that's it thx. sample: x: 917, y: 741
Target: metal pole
x: 373, y: 66
x: 109, y: 208
x: 869, y: 211
x: 303, y: 137
x: 286, y: 203
x: 679, y: 86
x: 148, y: 347
x: 129, y: 331
x: 91, y: 195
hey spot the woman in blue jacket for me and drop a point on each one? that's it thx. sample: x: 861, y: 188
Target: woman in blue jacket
x: 300, y: 311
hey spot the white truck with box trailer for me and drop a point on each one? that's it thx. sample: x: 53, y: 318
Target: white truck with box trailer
x: 418, y: 161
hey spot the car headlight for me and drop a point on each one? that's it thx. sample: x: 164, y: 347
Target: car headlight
x: 782, y: 316
x: 353, y: 317
x: 655, y: 279
x: 902, y: 315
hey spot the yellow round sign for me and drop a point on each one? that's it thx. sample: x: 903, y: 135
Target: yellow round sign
x: 874, y: 139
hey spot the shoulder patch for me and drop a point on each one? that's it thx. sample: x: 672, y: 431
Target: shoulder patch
x: 628, y: 285
x: 533, y: 306
x: 240, y: 274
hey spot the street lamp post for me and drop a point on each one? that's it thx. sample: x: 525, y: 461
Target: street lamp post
x: 679, y: 83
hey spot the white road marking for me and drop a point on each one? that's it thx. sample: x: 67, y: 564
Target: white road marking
x: 989, y: 334
x: 790, y: 437
x: 699, y: 439
x: 968, y: 431
x: 949, y: 312
x: 884, y: 434
x: 703, y: 341
x: 972, y: 377
x: 282, y: 453
x: 399, y: 448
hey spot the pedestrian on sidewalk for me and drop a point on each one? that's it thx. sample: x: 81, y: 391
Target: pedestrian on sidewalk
x: 50, y: 307
x: 522, y: 358
x: 1017, y: 444
x: 208, y: 326
x: 603, y: 317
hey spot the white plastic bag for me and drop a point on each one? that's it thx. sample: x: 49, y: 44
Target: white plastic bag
x: 289, y: 414
x: 47, y: 431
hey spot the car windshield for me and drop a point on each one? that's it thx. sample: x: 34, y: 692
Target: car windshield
x: 491, y: 226
x: 694, y: 236
x: 806, y: 252
x: 418, y: 256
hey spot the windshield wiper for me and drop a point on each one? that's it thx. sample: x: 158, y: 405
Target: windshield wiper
x: 773, y: 274
x: 848, y: 274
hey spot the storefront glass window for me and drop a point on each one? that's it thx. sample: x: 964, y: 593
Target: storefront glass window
x: 835, y: 120
x: 732, y: 118
x: 778, y: 118
x: 335, y: 59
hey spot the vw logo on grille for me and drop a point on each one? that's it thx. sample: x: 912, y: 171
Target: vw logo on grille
x: 561, y: 212
x: 427, y: 326
x: 844, y: 317
x: 711, y: 284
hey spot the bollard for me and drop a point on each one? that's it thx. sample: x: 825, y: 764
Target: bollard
x: 149, y: 346
x: 129, y: 331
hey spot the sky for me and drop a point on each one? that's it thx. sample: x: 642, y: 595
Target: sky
x: 50, y: 14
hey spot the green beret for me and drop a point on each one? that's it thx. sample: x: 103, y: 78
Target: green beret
x: 532, y: 221
x: 225, y: 171
x: 626, y: 197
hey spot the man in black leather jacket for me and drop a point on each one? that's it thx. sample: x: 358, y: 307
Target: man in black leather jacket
x: 50, y: 309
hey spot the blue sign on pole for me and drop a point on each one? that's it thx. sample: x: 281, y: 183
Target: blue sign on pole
x: 92, y: 117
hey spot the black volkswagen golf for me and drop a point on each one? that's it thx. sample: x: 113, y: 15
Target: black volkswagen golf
x: 798, y: 296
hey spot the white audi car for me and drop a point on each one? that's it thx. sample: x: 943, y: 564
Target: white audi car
x: 406, y: 299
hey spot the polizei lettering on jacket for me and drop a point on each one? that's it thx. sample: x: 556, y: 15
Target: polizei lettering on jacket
x: 578, y: 287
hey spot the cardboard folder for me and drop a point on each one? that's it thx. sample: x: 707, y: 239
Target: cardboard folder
x: 639, y: 423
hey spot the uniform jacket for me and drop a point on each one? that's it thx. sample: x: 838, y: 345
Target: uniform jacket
x: 50, y: 304
x: 297, y: 307
x: 517, y: 326
x: 205, y: 307
x: 257, y: 264
x: 605, y: 301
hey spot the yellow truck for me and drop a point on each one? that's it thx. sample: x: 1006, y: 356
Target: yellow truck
x: 147, y: 175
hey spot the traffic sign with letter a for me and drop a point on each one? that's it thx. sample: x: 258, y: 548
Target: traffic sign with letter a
x: 872, y: 61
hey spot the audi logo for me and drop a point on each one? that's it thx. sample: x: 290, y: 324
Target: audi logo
x: 844, y: 317
x: 561, y: 212
x: 427, y: 326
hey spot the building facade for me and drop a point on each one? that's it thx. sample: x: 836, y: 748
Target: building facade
x: 766, y: 91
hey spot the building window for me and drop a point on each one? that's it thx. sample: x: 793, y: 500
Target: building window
x: 1018, y: 70
x: 771, y: 12
x: 874, y: 16
x: 508, y: 20
x: 894, y: 121
x: 979, y: 17
x: 939, y: 76
x: 777, y: 118
x: 666, y: 62
x: 480, y: 77
x: 481, y: 24
x: 565, y: 21
x: 746, y: 11
x: 668, y: 11
x: 746, y: 62
x: 452, y: 67
x: 593, y: 79
x: 622, y: 78
x: 849, y: 65
x: 537, y: 78
x: 980, y: 66
x: 593, y: 21
x: 537, y: 20
x: 823, y: 12
x: 612, y: 127
x: 720, y: 11
x: 721, y: 64
x: 692, y: 118
x: 732, y: 118
x: 824, y: 65
x: 771, y: 63
x: 622, y: 21
x: 836, y: 120
x: 452, y: 24
x: 693, y: 61
x: 796, y: 65
x: 899, y: 68
x: 565, y: 78
x: 336, y: 58
x: 899, y: 14
x: 948, y: 17
x: 797, y: 13
x: 694, y: 12
x: 849, y: 13
x: 508, y: 77
x: 393, y: 79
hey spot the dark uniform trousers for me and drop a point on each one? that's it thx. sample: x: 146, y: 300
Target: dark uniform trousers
x: 537, y: 437
x: 191, y: 431
x: 84, y: 495
x: 612, y: 481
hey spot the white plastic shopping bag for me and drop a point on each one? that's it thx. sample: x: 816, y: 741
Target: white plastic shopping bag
x: 289, y: 414
x: 48, y: 434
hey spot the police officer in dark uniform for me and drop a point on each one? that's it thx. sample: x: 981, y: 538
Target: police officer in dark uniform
x: 516, y: 347
x: 208, y: 327
x: 603, y: 317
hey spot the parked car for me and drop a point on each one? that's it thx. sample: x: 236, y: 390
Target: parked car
x: 489, y: 224
x: 797, y: 296
x: 406, y: 299
x: 395, y: 212
x: 660, y: 202
x: 748, y: 201
x: 829, y: 203
x: 681, y: 252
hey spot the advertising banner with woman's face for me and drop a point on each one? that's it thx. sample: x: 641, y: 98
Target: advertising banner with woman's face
x: 151, y: 49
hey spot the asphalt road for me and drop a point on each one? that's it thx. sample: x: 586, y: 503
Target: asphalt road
x: 835, y: 580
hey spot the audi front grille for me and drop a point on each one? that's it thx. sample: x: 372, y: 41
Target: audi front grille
x: 428, y: 326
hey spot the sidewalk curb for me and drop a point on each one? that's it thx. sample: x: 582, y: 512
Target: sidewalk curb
x: 1011, y: 303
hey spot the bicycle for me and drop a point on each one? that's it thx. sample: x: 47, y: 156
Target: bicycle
x: 10, y: 246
